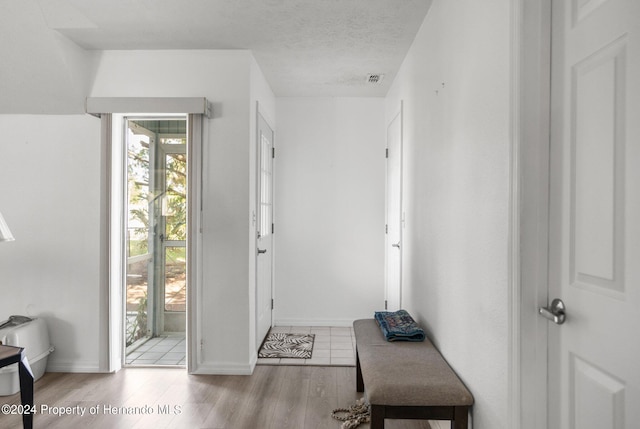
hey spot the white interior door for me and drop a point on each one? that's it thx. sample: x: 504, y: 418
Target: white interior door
x: 393, y: 248
x: 594, y: 253
x: 264, y: 239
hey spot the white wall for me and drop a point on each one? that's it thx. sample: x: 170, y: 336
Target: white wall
x: 455, y: 84
x: 50, y: 193
x: 50, y: 197
x: 42, y: 72
x: 329, y: 214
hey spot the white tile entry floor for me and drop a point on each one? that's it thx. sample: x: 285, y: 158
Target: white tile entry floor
x: 332, y: 346
x: 166, y: 349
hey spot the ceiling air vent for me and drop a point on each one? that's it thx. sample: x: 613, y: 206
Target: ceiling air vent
x: 375, y: 78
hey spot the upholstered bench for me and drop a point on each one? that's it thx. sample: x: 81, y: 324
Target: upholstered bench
x: 407, y: 380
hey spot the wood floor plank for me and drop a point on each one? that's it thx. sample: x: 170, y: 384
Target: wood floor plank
x: 323, y: 382
x: 289, y: 412
x: 277, y: 397
x: 346, y: 382
x: 231, y: 400
x: 318, y: 412
x: 262, y: 398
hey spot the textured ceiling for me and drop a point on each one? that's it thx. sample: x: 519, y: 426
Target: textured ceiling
x: 304, y: 47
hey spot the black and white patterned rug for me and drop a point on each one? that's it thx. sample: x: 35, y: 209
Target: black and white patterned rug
x: 282, y: 345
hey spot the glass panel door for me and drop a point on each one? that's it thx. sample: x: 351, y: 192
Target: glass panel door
x: 139, y: 235
x: 174, y: 239
x: 156, y: 240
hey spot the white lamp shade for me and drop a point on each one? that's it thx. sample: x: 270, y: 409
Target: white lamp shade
x: 5, y: 232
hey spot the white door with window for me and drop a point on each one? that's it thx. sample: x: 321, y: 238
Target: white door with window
x: 594, y: 236
x: 393, y: 248
x: 264, y: 230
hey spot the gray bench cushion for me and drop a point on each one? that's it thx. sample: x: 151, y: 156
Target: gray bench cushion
x: 405, y: 373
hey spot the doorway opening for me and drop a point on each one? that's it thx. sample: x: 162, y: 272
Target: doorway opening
x: 155, y: 237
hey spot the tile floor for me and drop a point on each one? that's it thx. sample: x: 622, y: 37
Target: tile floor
x: 167, y: 349
x: 332, y: 346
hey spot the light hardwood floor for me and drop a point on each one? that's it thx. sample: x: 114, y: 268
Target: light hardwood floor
x: 296, y: 397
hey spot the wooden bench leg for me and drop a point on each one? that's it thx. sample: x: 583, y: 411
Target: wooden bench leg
x: 377, y: 416
x: 460, y: 418
x: 359, y: 380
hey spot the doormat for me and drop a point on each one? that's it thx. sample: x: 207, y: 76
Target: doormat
x: 282, y: 345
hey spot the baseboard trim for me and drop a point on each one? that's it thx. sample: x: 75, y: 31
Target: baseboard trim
x: 79, y: 367
x: 313, y: 322
x: 224, y: 368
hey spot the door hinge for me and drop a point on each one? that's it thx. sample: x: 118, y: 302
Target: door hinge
x: 273, y: 228
x: 273, y: 152
x: 386, y: 153
x: 385, y: 304
x: 386, y: 229
x: 272, y: 303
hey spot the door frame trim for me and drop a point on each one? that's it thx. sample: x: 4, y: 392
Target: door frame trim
x: 195, y: 167
x: 529, y: 202
x: 112, y: 308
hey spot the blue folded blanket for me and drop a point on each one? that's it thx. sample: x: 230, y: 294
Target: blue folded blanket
x: 398, y: 326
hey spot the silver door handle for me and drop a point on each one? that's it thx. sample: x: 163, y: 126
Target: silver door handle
x: 555, y: 312
x: 262, y: 251
x: 396, y: 245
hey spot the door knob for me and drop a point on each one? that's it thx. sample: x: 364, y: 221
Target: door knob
x: 555, y: 312
x: 260, y: 251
